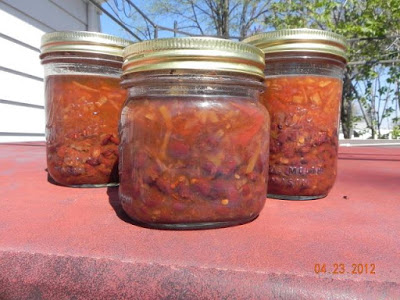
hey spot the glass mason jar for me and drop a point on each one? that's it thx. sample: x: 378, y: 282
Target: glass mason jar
x: 83, y: 105
x: 194, y: 138
x: 304, y: 70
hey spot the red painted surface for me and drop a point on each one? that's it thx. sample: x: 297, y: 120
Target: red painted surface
x: 68, y: 243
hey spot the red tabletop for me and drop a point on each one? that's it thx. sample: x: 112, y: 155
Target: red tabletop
x: 69, y: 243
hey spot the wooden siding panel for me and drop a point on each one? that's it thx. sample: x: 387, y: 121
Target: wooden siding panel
x: 48, y: 13
x: 20, y: 58
x: 25, y: 17
x: 15, y: 28
x: 14, y: 119
x: 22, y: 23
x: 21, y: 89
x: 78, y: 9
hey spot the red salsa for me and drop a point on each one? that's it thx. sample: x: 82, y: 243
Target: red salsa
x: 304, y: 114
x: 192, y: 160
x: 82, y: 128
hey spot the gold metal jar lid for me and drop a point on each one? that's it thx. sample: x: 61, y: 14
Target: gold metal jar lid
x: 83, y: 41
x: 194, y: 53
x: 300, y: 40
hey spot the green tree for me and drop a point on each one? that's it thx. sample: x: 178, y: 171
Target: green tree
x: 378, y: 96
x: 367, y: 83
x: 375, y: 21
x: 224, y: 18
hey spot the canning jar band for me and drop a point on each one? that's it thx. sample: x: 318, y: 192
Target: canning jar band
x: 304, y: 39
x: 82, y: 41
x: 194, y: 53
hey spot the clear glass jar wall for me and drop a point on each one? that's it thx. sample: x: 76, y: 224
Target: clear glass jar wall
x: 194, y: 149
x: 303, y: 69
x: 83, y: 104
x: 303, y: 97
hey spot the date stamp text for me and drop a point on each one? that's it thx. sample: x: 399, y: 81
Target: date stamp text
x: 340, y: 268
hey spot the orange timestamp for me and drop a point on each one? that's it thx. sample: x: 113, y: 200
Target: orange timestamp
x: 340, y: 268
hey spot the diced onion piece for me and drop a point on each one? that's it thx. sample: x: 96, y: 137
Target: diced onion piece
x: 297, y: 99
x: 167, y: 118
x: 82, y: 86
x: 213, y: 117
x: 216, y: 159
x: 114, y: 104
x: 253, y: 160
x: 102, y: 100
x: 316, y: 99
x: 324, y: 83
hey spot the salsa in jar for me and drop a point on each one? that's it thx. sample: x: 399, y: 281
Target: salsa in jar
x: 189, y: 160
x: 82, y: 128
x: 304, y: 114
x: 304, y: 72
x: 83, y: 105
x: 194, y: 138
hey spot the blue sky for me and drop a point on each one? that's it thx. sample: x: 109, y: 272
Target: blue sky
x: 110, y: 27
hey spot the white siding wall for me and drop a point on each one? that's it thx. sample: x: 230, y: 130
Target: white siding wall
x: 22, y: 23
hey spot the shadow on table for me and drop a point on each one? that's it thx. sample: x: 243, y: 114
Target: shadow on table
x: 115, y: 203
x: 51, y: 180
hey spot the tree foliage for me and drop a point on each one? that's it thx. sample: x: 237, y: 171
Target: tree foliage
x: 373, y: 20
x: 223, y: 18
x: 371, y: 84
